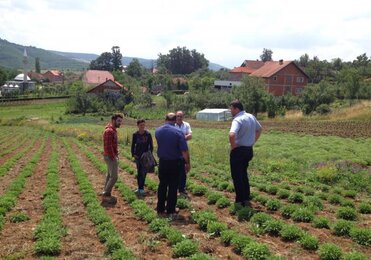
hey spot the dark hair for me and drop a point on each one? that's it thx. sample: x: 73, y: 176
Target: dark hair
x: 170, y: 117
x: 236, y: 104
x: 115, y: 116
x: 139, y: 121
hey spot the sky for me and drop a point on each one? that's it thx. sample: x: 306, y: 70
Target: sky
x: 227, y: 32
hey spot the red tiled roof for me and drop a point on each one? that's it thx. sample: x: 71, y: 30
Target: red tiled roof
x: 55, y: 72
x: 254, y: 64
x: 270, y: 68
x: 247, y: 70
x: 97, y: 76
x: 105, y: 82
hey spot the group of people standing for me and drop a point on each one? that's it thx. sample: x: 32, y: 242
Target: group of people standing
x: 174, y: 157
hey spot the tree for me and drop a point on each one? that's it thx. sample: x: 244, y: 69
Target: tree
x: 37, y: 65
x: 251, y: 93
x: 266, y: 55
x: 182, y: 61
x: 135, y: 69
x: 304, y: 60
x: 116, y: 58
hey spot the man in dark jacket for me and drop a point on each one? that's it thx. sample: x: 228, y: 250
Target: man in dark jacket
x: 173, y: 156
x: 111, y: 153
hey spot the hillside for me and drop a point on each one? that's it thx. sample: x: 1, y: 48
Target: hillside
x: 11, y: 56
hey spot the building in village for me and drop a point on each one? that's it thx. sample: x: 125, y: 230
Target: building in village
x: 280, y: 77
x: 94, y: 77
x: 54, y: 76
x: 106, y: 87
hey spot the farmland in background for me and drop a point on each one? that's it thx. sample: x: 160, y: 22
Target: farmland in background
x: 310, y: 185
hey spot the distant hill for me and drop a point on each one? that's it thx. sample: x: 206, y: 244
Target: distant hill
x: 11, y: 55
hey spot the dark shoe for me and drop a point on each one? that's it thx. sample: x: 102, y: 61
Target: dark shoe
x: 173, y: 216
x: 183, y: 194
x: 105, y: 194
x: 247, y: 203
x: 161, y: 214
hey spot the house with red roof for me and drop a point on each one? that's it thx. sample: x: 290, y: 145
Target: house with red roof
x: 53, y: 76
x: 280, y: 77
x: 107, y: 86
x: 93, y: 77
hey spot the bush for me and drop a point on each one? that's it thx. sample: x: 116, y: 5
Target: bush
x: 283, y: 194
x: 262, y: 199
x: 174, y: 236
x: 313, y: 202
x: 296, y: 197
x: 223, y: 203
x: 18, y: 217
x: 350, y: 194
x: 335, y: 199
x: 329, y: 251
x: 213, y: 197
x: 273, y: 204
x: 215, y: 228
x: 158, y: 224
x: 355, y: 256
x: 346, y: 213
x: 287, y: 210
x: 235, y: 207
x: 361, y: 236
x: 226, y: 236
x: 238, y: 242
x: 271, y: 189
x: 182, y: 203
x: 202, y: 218
x: 323, y: 109
x: 342, y: 227
x: 308, y: 242
x: 259, y: 219
x: 256, y: 251
x: 200, y: 256
x: 245, y: 213
x: 199, y: 190
x: 302, y: 215
x: 364, y: 208
x: 273, y: 227
x: 291, y: 232
x: 321, y: 222
x: 347, y: 203
x: 185, y: 248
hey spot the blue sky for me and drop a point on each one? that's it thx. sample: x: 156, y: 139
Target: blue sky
x: 226, y: 32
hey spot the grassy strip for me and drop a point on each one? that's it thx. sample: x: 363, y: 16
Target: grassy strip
x: 13, y: 143
x: 12, y: 161
x: 9, y: 198
x: 105, y: 229
x: 181, y: 246
x: 50, y: 230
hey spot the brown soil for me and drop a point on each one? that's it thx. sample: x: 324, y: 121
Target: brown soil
x: 81, y: 241
x: 134, y: 232
x: 17, y: 238
x: 14, y: 171
x: 7, y: 156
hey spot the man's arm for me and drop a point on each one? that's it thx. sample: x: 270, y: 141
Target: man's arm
x: 187, y: 160
x: 188, y: 136
x: 232, y: 140
x: 258, y: 133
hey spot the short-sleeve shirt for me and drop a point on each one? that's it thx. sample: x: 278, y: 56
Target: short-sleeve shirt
x: 185, y: 128
x: 244, y: 126
x: 170, y: 142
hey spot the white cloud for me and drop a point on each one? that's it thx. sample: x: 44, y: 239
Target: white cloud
x: 227, y: 32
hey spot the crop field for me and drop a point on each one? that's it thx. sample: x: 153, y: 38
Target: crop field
x: 310, y: 196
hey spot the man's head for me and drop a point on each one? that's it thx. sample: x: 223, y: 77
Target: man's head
x: 235, y: 106
x: 141, y: 123
x: 117, y: 120
x: 179, y: 117
x: 170, y: 118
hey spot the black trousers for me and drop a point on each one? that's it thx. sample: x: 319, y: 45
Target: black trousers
x: 182, y: 178
x: 168, y: 173
x: 239, y: 161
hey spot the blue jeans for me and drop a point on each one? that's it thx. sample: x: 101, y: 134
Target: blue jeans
x: 141, y: 175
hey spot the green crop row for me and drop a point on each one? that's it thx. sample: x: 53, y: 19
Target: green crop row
x: 9, y: 198
x: 50, y: 230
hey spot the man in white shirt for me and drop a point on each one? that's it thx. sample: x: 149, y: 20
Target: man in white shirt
x: 245, y: 131
x: 186, y: 129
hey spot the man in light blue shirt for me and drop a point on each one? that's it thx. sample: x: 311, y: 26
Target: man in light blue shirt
x: 245, y: 131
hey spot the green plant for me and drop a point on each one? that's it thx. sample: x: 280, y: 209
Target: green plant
x: 361, y: 236
x: 283, y: 194
x: 223, y: 203
x: 342, y: 227
x: 272, y: 189
x: 227, y: 235
x: 245, y: 213
x: 335, y: 199
x: 302, y: 215
x: 199, y: 190
x: 215, y: 228
x: 308, y: 242
x: 287, y: 210
x: 329, y: 251
x: 347, y: 213
x: 273, y: 227
x: 291, y: 232
x: 185, y: 248
x: 174, y: 236
x: 182, y: 203
x: 255, y: 251
x: 239, y: 241
x: 157, y: 224
x: 213, y: 197
x: 364, y: 208
x: 202, y: 218
x: 296, y: 197
x: 18, y: 217
x: 350, y: 194
x: 200, y: 256
x: 273, y: 204
x: 354, y: 256
x: 259, y: 219
x: 262, y: 199
x: 320, y: 222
